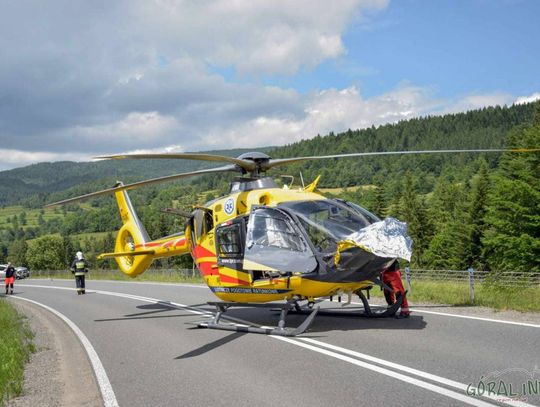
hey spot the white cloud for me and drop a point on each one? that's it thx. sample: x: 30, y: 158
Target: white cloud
x: 527, y: 99
x: 143, y: 75
x: 477, y: 101
x: 254, y: 36
x: 136, y: 127
x: 330, y: 110
x: 17, y: 158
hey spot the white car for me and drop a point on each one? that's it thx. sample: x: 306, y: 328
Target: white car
x: 20, y: 272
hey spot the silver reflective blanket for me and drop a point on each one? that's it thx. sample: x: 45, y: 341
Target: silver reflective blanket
x: 387, y: 238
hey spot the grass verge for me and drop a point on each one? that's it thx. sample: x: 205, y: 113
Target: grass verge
x: 456, y: 293
x: 15, y: 349
x: 163, y: 276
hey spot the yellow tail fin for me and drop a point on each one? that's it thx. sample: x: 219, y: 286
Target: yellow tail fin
x: 131, y: 236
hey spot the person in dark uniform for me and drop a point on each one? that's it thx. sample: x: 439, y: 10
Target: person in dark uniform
x: 10, y: 277
x: 79, y: 267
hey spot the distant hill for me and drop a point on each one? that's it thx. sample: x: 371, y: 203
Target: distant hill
x: 484, y: 128
x: 20, y: 184
x: 455, y: 205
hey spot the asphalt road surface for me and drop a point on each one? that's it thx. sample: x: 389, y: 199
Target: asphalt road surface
x: 153, y: 354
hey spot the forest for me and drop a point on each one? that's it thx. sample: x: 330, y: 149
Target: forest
x: 463, y: 210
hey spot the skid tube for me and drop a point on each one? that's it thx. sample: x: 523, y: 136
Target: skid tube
x: 281, y: 330
x: 368, y: 312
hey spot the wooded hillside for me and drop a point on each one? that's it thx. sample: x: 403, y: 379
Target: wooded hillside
x: 463, y: 210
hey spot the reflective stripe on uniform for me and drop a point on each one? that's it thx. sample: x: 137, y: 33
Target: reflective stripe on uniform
x: 80, y: 273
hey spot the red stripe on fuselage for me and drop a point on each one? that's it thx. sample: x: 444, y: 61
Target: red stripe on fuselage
x: 206, y: 268
x: 232, y: 280
x: 179, y: 242
x: 200, y: 251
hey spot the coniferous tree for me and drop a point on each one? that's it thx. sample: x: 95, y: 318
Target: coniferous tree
x: 412, y: 209
x: 476, y: 216
x: 380, y: 203
x: 512, y: 237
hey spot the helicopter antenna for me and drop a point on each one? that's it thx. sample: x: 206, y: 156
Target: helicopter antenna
x: 302, y: 179
x: 292, y: 180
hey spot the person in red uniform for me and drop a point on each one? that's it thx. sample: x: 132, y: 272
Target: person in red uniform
x: 392, y: 278
x: 10, y: 277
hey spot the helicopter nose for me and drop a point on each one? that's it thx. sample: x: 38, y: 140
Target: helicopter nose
x: 357, y: 264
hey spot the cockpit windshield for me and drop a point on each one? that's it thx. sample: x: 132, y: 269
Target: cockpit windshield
x: 327, y: 222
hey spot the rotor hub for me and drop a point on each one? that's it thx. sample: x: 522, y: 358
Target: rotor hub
x: 260, y: 160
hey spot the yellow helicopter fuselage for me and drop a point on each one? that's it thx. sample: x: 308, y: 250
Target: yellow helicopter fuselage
x: 134, y: 252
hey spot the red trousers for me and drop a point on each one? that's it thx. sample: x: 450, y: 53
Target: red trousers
x: 393, y: 280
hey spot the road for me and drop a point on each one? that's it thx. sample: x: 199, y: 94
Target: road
x: 154, y: 355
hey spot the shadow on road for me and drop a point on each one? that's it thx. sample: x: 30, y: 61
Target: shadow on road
x: 347, y: 321
x: 211, y: 346
x: 154, y: 308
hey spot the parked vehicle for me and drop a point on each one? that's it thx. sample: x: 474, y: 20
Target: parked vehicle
x: 21, y: 272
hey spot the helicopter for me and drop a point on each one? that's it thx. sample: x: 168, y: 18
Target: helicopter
x: 267, y: 246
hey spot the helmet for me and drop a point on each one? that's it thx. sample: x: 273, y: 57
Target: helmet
x: 79, y: 255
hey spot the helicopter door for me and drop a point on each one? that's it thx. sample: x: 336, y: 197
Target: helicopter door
x: 274, y: 243
x: 230, y: 244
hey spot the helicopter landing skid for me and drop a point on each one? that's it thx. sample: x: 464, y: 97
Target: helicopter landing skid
x: 281, y: 330
x: 368, y: 312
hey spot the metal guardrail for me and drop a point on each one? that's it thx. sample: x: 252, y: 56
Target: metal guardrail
x: 471, y: 277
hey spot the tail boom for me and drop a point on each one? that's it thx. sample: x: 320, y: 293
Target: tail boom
x: 133, y: 250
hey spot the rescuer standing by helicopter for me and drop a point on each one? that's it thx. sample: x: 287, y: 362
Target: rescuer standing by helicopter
x: 79, y: 267
x: 392, y: 278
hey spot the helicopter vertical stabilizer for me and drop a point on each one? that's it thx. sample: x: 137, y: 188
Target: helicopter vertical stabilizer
x: 131, y: 235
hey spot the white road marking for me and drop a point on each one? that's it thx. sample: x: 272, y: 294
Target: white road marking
x: 107, y: 392
x: 420, y: 373
x: 500, y: 321
x: 394, y: 375
x: 318, y: 346
x: 446, y: 314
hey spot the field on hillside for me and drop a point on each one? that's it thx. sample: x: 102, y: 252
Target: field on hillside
x: 31, y: 217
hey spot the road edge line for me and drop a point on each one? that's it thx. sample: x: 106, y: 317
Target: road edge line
x: 105, y: 387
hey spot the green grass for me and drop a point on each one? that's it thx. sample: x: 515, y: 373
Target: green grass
x: 457, y: 294
x: 164, y: 276
x: 15, y: 349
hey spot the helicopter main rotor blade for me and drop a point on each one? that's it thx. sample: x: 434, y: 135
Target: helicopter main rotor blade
x: 245, y: 164
x: 284, y: 161
x: 122, y: 187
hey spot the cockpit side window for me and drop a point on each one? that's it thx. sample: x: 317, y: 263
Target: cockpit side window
x: 274, y: 243
x: 268, y: 227
x: 229, y: 240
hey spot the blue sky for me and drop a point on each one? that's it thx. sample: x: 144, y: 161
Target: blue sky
x: 456, y: 47
x: 80, y: 79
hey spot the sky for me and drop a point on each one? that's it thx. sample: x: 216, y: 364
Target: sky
x: 80, y: 79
